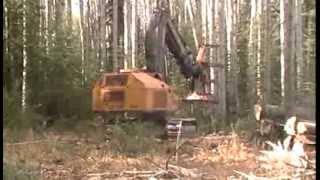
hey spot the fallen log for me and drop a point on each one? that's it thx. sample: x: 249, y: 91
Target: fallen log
x: 183, y: 171
x: 268, y: 111
x: 279, y: 113
x: 295, y: 126
x: 300, y: 130
x: 138, y: 172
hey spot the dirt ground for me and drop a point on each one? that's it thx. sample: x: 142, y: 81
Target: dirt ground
x: 72, y: 156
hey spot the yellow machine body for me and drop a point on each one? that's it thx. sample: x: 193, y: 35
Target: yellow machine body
x: 132, y: 91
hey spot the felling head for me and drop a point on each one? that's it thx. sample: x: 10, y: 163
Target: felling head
x: 200, y: 97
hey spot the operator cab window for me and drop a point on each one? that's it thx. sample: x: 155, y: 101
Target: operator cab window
x: 116, y: 80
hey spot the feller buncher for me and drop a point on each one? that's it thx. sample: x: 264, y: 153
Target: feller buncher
x: 144, y: 92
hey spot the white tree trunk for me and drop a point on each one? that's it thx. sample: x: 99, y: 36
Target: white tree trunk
x: 258, y: 85
x: 82, y: 34
x: 115, y: 35
x: 5, y: 27
x: 211, y: 41
x: 252, y: 56
x: 148, y: 12
x: 185, y: 11
x: 47, y: 26
x: 267, y: 54
x: 204, y: 21
x: 194, y: 32
x: 126, y: 34
x: 53, y: 19
x: 227, y: 9
x: 40, y: 21
x: 103, y: 34
x: 282, y: 63
x: 221, y: 57
x: 171, y: 8
x: 133, y: 33
x: 299, y: 45
x: 25, y: 58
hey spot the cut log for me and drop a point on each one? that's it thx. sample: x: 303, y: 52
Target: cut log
x: 307, y: 113
x: 269, y: 111
x: 301, y: 129
x: 185, y: 172
x: 275, y: 112
x: 296, y: 126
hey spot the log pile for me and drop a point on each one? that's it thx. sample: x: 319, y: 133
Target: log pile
x: 291, y: 159
x: 300, y: 130
x: 269, y: 116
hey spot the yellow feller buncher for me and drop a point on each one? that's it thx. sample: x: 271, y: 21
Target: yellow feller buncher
x: 144, y: 92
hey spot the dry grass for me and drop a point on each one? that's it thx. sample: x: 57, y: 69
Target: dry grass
x: 74, y: 156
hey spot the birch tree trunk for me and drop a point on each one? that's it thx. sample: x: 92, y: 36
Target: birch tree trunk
x: 221, y: 92
x: 292, y: 50
x: 258, y: 78
x: 194, y: 32
x: 286, y: 61
x: 290, y: 60
x: 69, y: 22
x: 133, y: 33
x: 252, y: 60
x: 24, y: 56
x: 103, y: 34
x: 82, y: 42
x: 204, y: 21
x: 234, y: 5
x: 46, y: 39
x: 88, y: 37
x: 185, y: 11
x: 115, y: 34
x: 231, y: 73
x: 50, y: 21
x: 95, y: 38
x: 228, y: 21
x: 267, y: 54
x: 282, y: 48
x: 126, y: 33
x: 211, y: 40
x: 299, y: 45
x: 7, y: 60
x: 5, y: 28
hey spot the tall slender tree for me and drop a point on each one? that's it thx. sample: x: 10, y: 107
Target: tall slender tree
x: 299, y: 45
x: 103, y: 33
x: 133, y: 33
x: 126, y: 27
x: 194, y: 32
x: 115, y: 34
x: 25, y: 57
x: 267, y: 53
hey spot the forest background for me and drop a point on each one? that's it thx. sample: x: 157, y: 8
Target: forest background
x: 54, y: 50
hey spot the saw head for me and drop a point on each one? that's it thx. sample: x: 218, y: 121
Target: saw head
x: 197, y: 97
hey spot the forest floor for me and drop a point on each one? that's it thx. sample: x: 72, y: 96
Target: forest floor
x: 89, y: 155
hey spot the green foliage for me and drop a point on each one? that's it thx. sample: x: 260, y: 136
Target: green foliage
x: 55, y: 86
x: 17, y: 171
x: 242, y: 53
x: 14, y: 118
x: 58, y: 90
x: 134, y: 138
x: 245, y: 125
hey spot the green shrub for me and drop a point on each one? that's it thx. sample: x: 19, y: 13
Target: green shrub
x: 133, y: 138
x: 14, y: 118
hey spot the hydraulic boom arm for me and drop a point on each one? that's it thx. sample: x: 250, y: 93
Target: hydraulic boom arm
x: 161, y: 33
